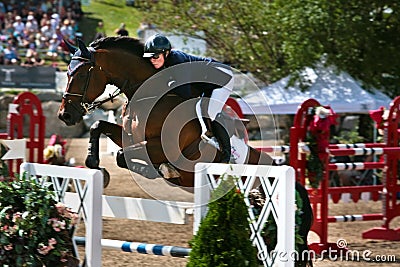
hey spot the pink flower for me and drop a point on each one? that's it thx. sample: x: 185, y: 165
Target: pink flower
x: 17, y: 216
x: 44, y: 250
x: 52, y: 241
x: 8, y: 247
x: 56, y: 224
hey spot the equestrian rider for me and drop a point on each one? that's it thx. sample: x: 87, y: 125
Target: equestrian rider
x: 158, y: 49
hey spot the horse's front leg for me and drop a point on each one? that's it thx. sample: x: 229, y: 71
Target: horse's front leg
x: 111, y: 130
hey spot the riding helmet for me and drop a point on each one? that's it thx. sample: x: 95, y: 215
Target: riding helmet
x: 156, y: 44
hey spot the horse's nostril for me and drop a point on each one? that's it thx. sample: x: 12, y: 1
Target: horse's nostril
x: 65, y: 116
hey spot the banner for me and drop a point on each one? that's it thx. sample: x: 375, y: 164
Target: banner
x: 40, y: 77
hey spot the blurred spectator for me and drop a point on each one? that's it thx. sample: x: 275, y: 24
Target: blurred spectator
x: 75, y: 27
x: 67, y: 31
x: 11, y: 56
x: 46, y: 6
x: 44, y: 20
x: 33, y: 59
x: 1, y: 55
x: 8, y: 28
x: 52, y: 50
x: 18, y: 25
x: 47, y: 30
x: 31, y: 24
x: 30, y: 50
x: 63, y: 49
x: 2, y: 20
x: 62, y: 12
x: 142, y: 27
x: 121, y: 31
x: 100, y: 31
x: 3, y: 8
x: 55, y: 21
x: 28, y: 40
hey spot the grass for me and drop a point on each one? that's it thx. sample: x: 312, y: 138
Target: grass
x: 112, y: 13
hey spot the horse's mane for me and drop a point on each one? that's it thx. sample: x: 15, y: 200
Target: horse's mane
x: 130, y: 44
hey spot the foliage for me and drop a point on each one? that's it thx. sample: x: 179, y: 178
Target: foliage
x: 349, y: 137
x: 34, y: 228
x: 4, y: 168
x: 275, y: 38
x: 223, y: 236
x: 315, y: 166
x: 270, y: 230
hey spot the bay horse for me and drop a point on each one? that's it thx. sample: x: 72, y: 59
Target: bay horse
x: 118, y: 61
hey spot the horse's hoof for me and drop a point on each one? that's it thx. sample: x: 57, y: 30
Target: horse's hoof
x: 106, y: 177
x: 92, y: 162
x: 168, y: 171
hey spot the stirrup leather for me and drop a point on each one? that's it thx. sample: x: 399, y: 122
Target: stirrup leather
x: 206, y: 135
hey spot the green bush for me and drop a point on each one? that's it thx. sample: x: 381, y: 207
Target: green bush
x: 223, y: 235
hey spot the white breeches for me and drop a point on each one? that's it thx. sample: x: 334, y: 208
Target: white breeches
x: 220, y: 95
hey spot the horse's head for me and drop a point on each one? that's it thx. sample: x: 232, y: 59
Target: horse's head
x: 86, y: 81
x: 110, y: 60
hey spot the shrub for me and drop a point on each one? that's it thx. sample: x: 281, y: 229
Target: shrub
x: 223, y: 238
x: 34, y: 228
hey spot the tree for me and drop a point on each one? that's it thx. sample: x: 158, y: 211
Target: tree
x: 272, y: 39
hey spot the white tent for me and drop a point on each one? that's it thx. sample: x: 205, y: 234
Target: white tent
x: 338, y: 90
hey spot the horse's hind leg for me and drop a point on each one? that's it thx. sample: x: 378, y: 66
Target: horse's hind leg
x: 111, y: 130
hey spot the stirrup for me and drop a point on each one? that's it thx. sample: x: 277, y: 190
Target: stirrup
x: 211, y: 140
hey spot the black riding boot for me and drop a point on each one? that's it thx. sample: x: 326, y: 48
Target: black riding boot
x: 223, y: 138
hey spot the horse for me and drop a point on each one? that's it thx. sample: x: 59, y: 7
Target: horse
x: 118, y: 61
x: 91, y: 69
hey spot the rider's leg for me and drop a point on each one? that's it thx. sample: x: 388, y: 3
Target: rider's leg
x: 223, y: 138
x: 215, y: 105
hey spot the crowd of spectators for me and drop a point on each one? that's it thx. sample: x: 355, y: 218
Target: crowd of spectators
x: 32, y: 31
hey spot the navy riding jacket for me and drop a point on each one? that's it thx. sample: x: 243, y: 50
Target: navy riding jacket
x: 194, y: 89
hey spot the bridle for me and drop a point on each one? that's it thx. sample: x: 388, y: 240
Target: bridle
x: 84, y: 106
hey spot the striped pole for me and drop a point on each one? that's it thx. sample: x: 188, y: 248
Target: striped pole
x: 270, y: 149
x: 355, y: 166
x: 357, y: 145
x: 364, y: 151
x: 370, y: 147
x: 354, y: 218
x: 142, y: 248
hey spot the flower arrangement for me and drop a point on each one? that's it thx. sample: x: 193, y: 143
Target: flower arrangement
x: 54, y: 153
x: 317, y: 141
x: 34, y: 228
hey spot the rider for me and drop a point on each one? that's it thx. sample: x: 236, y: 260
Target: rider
x: 158, y: 49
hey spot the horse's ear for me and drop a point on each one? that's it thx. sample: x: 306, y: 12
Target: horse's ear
x: 84, y: 51
x: 71, y: 47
